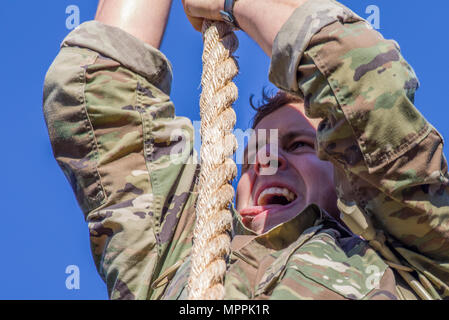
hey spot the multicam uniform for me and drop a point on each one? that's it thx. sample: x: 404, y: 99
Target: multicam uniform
x: 111, y: 123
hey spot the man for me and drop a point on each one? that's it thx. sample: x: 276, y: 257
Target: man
x: 348, y: 118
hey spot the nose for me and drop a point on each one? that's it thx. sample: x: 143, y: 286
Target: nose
x: 269, y: 159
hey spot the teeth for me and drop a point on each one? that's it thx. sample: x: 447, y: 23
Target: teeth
x: 264, y: 195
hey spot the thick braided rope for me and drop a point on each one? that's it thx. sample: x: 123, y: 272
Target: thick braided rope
x: 213, y: 219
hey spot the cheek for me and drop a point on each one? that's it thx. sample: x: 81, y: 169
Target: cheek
x: 243, y: 191
x: 317, y: 175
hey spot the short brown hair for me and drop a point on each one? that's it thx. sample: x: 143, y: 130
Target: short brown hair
x: 270, y: 103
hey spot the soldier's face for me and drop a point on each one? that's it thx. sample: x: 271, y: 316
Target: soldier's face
x: 281, y: 174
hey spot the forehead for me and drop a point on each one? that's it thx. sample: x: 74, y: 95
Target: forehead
x: 287, y: 118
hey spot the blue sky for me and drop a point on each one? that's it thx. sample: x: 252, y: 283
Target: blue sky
x: 43, y: 228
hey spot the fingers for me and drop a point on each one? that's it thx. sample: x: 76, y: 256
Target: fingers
x: 198, y: 10
x: 194, y: 21
x: 197, y: 23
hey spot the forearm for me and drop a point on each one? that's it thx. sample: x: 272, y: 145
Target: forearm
x: 144, y: 19
x: 260, y: 19
x: 263, y: 19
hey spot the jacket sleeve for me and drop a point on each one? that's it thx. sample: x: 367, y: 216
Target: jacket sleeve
x: 389, y: 160
x: 129, y: 160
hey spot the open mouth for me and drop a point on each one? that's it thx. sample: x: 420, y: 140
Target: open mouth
x: 271, y: 200
x: 275, y: 196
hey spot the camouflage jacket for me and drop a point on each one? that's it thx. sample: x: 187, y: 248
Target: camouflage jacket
x: 113, y: 132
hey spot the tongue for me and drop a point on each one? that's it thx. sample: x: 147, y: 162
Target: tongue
x: 254, y: 211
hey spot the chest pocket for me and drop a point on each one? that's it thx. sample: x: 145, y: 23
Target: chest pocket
x: 321, y: 269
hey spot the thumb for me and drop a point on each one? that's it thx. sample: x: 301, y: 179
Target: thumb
x: 197, y: 23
